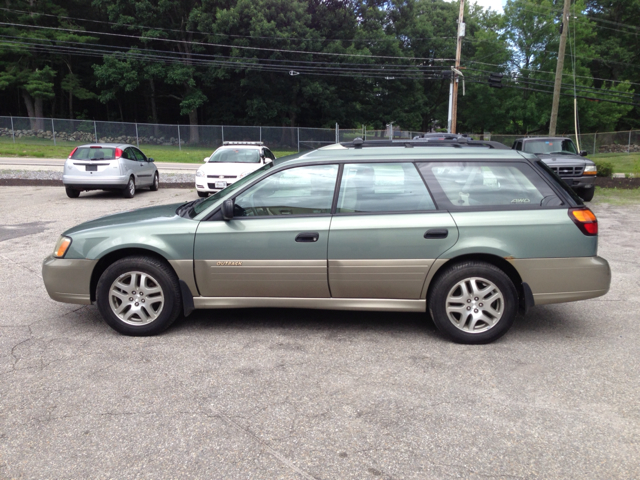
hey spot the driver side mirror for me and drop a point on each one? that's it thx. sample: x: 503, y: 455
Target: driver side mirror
x: 227, y: 209
x: 583, y: 153
x: 150, y: 160
x: 206, y: 159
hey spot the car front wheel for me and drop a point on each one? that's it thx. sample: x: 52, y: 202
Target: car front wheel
x: 203, y: 194
x: 586, y: 194
x: 473, y: 302
x: 139, y: 296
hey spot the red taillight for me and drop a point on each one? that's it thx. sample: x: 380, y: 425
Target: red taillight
x: 118, y: 152
x: 74, y: 151
x: 585, y: 220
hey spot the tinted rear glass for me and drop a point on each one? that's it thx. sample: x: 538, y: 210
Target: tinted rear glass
x: 93, y: 153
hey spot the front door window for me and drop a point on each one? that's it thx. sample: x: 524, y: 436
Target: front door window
x: 296, y: 191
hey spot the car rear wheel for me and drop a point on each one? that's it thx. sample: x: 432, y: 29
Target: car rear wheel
x: 139, y: 296
x: 130, y: 189
x: 72, y: 192
x: 586, y: 194
x: 473, y: 302
x: 203, y: 194
x: 156, y: 183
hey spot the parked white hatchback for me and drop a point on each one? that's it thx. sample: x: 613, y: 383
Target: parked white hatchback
x: 230, y: 162
x: 109, y: 166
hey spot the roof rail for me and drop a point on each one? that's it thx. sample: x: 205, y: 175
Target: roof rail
x: 461, y: 142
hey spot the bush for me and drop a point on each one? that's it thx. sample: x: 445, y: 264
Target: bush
x: 605, y: 169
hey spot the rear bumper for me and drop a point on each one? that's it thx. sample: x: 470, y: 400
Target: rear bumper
x: 68, y: 280
x: 87, y: 182
x: 559, y: 280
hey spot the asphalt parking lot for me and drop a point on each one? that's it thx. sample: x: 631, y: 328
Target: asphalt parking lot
x: 294, y: 394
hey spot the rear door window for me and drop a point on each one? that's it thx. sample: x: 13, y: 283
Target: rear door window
x: 128, y: 154
x: 382, y: 187
x: 464, y: 185
x: 139, y: 155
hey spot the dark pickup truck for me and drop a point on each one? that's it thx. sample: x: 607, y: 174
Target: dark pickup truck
x: 561, y: 155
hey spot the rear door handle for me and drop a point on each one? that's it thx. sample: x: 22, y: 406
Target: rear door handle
x: 436, y: 233
x: 308, y: 237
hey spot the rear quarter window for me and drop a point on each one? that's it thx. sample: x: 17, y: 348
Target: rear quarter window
x: 465, y: 185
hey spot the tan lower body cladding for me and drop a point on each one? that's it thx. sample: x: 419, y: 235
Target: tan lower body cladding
x: 558, y: 280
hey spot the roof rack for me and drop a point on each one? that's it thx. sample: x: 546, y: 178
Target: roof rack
x: 424, y: 142
x: 243, y: 143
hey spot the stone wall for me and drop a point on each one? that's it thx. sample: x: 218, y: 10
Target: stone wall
x: 87, y: 137
x: 620, y: 148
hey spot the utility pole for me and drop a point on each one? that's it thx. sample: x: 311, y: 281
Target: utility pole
x: 453, y: 98
x: 559, y: 66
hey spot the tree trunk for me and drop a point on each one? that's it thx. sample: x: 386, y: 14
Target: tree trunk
x: 39, y: 110
x: 71, y: 105
x: 194, y: 135
x: 154, y: 109
x: 28, y: 101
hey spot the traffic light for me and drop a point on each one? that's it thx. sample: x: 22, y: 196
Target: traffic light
x: 495, y: 80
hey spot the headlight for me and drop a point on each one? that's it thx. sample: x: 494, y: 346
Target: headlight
x: 244, y: 174
x: 200, y: 173
x: 61, y: 247
x: 590, y: 170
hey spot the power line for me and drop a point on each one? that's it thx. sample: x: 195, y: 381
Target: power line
x: 552, y: 73
x: 240, y: 47
x: 104, y: 22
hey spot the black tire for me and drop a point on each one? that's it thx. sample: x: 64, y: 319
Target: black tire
x: 72, y: 192
x: 203, y: 194
x: 586, y: 194
x: 110, y: 297
x: 474, y: 324
x: 130, y: 190
x: 156, y: 183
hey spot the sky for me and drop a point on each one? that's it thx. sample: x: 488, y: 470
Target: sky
x: 493, y: 4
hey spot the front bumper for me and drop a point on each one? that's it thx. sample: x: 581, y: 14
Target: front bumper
x: 559, y: 280
x: 586, y: 181
x: 68, y: 280
x: 203, y: 184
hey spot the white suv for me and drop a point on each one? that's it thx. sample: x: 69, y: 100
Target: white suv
x: 230, y: 162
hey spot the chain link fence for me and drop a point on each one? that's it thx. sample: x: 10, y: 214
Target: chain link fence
x: 56, y: 131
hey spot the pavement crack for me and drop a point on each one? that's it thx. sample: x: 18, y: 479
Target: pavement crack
x: 22, y: 266
x: 272, y: 451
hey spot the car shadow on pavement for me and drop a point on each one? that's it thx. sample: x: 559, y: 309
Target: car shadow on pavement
x: 308, y: 320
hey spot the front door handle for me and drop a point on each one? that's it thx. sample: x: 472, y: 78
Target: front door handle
x: 436, y: 233
x: 308, y: 237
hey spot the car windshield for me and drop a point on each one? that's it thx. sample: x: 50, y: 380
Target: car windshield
x: 202, y: 206
x: 558, y: 145
x: 235, y: 155
x: 94, y: 153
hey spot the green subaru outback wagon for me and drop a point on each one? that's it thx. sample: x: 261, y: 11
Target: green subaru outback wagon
x: 466, y: 232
